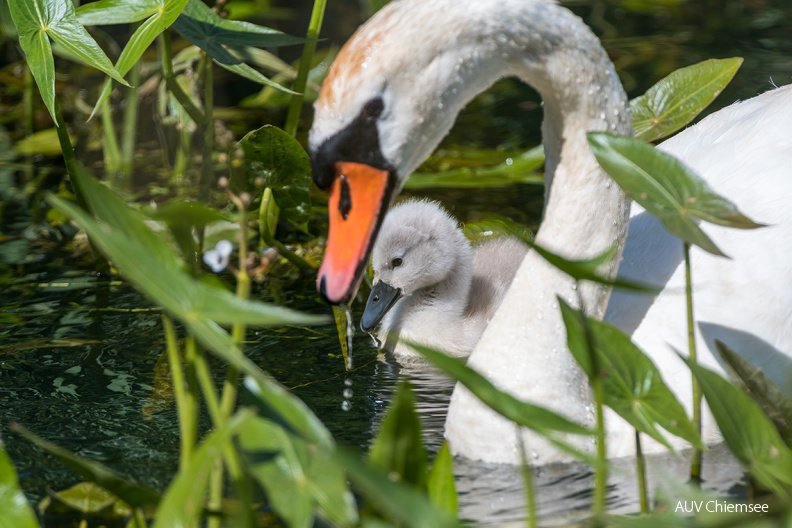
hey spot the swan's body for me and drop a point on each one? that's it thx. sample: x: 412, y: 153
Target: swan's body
x: 430, y: 286
x: 393, y: 93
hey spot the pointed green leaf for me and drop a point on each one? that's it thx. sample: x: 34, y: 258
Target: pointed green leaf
x: 126, y: 489
x: 35, y: 21
x: 144, y: 35
x: 298, y: 477
x: 269, y: 213
x: 666, y: 188
x: 274, y: 159
x: 106, y: 12
x: 522, y: 413
x: 679, y: 97
x: 440, y: 482
x: 203, y: 27
x: 400, y: 503
x: 522, y: 168
x: 17, y: 512
x: 750, y: 434
x: 632, y: 384
x: 763, y: 391
x: 147, y: 261
x: 183, y: 503
x: 398, y: 448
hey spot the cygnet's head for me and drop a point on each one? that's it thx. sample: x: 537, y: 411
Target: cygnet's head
x: 419, y: 245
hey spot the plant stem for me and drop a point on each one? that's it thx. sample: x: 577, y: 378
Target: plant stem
x: 295, y: 106
x: 527, y: 475
x: 173, y: 85
x: 640, y: 468
x: 72, y: 166
x: 112, y: 156
x: 209, y: 132
x: 179, y: 390
x: 191, y: 428
x: 695, y: 464
x: 130, y: 127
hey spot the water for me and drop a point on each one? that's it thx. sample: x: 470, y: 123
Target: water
x: 95, y: 382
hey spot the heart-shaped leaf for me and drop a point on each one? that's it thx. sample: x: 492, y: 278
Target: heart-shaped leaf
x: 679, y: 97
x: 632, y: 384
x: 16, y: 509
x: 39, y: 20
x: 666, y: 188
x: 750, y: 434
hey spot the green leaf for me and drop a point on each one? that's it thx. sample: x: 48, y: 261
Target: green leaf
x: 203, y: 27
x: 679, y: 97
x: 122, y: 487
x: 666, y: 188
x: 269, y: 212
x: 440, y: 482
x: 147, y: 261
x: 17, y: 512
x: 106, y: 12
x: 763, y: 391
x: 298, y: 477
x: 86, y: 498
x: 166, y: 13
x: 522, y: 168
x: 39, y: 20
x: 398, y: 448
x: 400, y: 503
x: 36, y: 20
x: 274, y: 159
x: 183, y: 502
x: 588, y: 269
x: 541, y: 420
x: 750, y: 434
x: 632, y: 384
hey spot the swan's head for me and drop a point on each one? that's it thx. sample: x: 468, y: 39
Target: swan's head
x: 420, y: 246
x: 390, y: 96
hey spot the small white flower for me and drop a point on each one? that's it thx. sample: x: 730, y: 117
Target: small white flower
x: 217, y: 258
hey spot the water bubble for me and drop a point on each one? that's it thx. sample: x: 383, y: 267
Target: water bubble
x: 509, y: 161
x: 348, y: 382
x: 348, y: 393
x: 346, y: 405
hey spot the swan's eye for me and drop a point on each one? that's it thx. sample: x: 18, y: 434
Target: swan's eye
x: 373, y: 108
x: 395, y: 263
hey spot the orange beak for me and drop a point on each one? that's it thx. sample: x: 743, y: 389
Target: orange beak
x: 357, y: 201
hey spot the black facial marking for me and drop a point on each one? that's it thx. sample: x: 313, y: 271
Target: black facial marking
x: 358, y: 143
x: 345, y: 200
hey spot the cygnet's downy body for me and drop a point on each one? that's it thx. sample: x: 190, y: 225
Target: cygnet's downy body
x: 430, y: 286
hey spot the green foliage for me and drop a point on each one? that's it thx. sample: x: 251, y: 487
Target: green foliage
x: 398, y: 450
x: 122, y: 487
x: 182, y: 504
x: 632, y: 384
x: 763, y: 391
x: 679, y: 97
x: 666, y: 188
x: 399, y: 503
x: 298, y: 477
x: 37, y: 21
x: 158, y: 15
x: 275, y: 160
x: 17, y: 512
x: 204, y: 28
x: 750, y: 435
x: 440, y: 481
x: 88, y: 500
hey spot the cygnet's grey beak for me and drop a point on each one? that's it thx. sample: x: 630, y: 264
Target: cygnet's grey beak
x: 382, y: 298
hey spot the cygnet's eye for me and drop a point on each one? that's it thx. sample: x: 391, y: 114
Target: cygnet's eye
x: 395, y: 263
x: 373, y: 108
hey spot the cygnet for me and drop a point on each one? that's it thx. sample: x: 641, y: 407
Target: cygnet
x: 430, y: 286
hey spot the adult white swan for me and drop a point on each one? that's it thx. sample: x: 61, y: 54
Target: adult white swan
x: 394, y: 92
